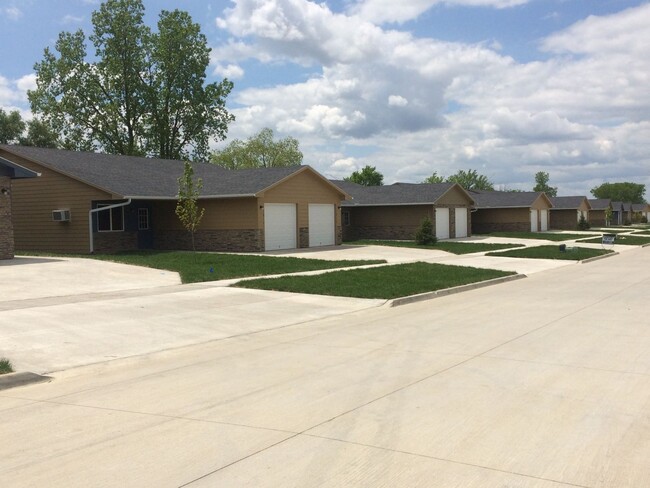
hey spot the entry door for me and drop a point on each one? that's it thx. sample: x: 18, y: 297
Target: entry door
x: 280, y: 226
x: 442, y: 223
x: 461, y: 221
x: 533, y: 220
x: 321, y: 225
x: 544, y: 218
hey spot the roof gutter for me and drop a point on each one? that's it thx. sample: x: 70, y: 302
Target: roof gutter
x: 90, y: 219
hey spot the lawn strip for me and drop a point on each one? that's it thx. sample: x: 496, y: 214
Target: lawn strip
x: 552, y: 252
x: 451, y: 247
x: 627, y: 240
x: 547, y: 236
x: 384, y: 282
x: 196, y: 267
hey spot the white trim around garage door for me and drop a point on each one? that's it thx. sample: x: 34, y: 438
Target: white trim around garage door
x: 322, y: 225
x: 280, y: 226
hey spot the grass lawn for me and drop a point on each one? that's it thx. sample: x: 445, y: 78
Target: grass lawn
x: 452, y: 247
x: 382, y: 282
x: 540, y: 235
x: 642, y: 233
x: 635, y: 240
x: 552, y: 252
x: 5, y: 366
x: 202, y: 266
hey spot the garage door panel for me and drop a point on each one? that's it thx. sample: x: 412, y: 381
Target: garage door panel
x: 442, y: 223
x: 533, y: 220
x: 461, y: 221
x: 280, y: 226
x: 544, y: 218
x: 321, y: 225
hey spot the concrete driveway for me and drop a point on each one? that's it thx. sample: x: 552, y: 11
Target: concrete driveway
x: 537, y: 383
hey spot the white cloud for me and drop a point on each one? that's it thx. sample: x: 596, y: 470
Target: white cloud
x: 397, y: 101
x: 380, y: 11
x: 71, y: 19
x: 580, y: 116
x: 12, y: 13
x: 230, y: 71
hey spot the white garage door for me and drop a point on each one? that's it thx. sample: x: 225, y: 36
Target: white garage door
x: 544, y: 220
x: 279, y: 226
x: 321, y: 225
x: 533, y: 220
x: 461, y: 222
x: 442, y: 223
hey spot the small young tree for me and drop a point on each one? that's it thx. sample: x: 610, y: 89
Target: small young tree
x: 187, y: 209
x: 583, y: 224
x: 424, y: 236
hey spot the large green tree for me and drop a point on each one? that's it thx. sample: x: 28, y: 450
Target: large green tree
x: 14, y: 130
x: 541, y: 184
x: 12, y: 126
x: 141, y: 93
x: 367, y: 176
x: 259, y: 151
x: 471, y: 180
x: 434, y: 178
x: 620, y: 192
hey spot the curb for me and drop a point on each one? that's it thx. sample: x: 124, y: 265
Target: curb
x: 596, y: 258
x: 396, y: 302
x: 12, y: 380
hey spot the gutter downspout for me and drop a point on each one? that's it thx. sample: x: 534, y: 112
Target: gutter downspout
x: 90, y: 219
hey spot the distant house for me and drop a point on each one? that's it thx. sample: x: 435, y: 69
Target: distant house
x: 567, y: 211
x: 87, y: 202
x: 618, y: 214
x: 9, y: 171
x: 396, y: 211
x: 502, y: 211
x: 598, y: 212
x: 639, y: 211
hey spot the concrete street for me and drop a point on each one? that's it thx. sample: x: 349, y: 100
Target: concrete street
x: 542, y: 382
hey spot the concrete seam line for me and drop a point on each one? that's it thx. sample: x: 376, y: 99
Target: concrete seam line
x: 396, y: 302
x: 596, y: 258
x: 12, y: 380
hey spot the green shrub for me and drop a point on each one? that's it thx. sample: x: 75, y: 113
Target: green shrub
x: 583, y: 224
x: 424, y: 236
x: 5, y: 366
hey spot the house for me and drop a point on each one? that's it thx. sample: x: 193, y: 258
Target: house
x: 396, y: 211
x: 639, y: 211
x: 503, y: 211
x: 600, y: 207
x: 86, y: 202
x: 618, y: 217
x: 9, y: 171
x: 567, y: 211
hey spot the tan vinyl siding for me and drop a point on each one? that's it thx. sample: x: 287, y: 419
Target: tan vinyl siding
x: 501, y: 215
x: 303, y: 188
x: 220, y: 214
x: 406, y: 215
x: 540, y: 203
x: 33, y: 202
x: 455, y: 196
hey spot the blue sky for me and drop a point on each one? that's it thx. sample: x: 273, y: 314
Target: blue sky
x: 507, y: 87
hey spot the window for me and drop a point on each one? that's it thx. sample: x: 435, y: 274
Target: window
x: 346, y: 218
x: 143, y: 219
x: 111, y: 220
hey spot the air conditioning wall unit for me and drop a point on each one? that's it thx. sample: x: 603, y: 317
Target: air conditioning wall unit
x: 61, y: 215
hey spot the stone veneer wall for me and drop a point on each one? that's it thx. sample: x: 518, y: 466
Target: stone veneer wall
x: 112, y: 242
x: 303, y: 237
x: 6, y: 228
x: 248, y: 240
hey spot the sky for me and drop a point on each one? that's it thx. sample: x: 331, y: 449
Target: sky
x: 412, y: 87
